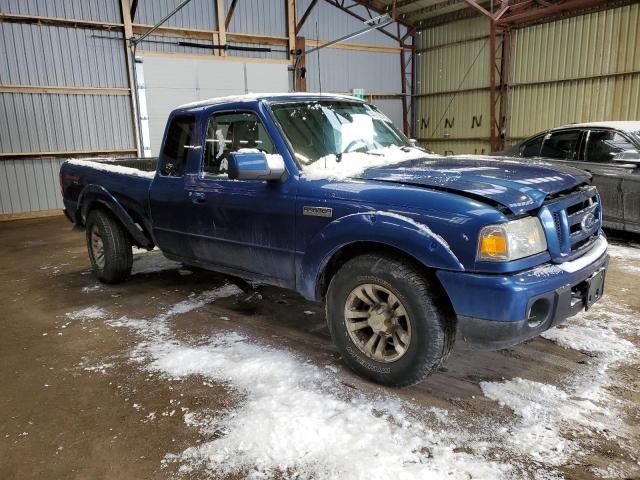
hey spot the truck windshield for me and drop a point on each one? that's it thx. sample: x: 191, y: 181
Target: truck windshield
x: 320, y: 129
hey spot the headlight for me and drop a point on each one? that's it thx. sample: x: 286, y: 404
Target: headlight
x: 511, y: 240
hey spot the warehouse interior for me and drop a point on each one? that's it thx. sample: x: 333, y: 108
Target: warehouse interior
x: 460, y: 77
x: 177, y: 369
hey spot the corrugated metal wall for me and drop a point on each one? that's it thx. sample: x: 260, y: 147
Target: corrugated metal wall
x: 37, y: 54
x: 29, y: 185
x: 452, y: 86
x: 579, y: 69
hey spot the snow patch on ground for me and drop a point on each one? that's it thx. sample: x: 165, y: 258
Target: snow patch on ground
x: 551, y: 419
x: 624, y: 252
x: 293, y: 416
x: 90, y: 313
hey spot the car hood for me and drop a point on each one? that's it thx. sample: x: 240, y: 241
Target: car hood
x: 512, y: 183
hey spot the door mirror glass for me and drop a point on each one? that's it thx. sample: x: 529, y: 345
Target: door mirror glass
x: 628, y: 156
x: 250, y: 164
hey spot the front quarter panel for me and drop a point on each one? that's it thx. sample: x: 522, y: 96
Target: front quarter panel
x: 380, y: 227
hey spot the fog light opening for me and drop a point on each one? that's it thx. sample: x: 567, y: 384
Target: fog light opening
x: 538, y: 312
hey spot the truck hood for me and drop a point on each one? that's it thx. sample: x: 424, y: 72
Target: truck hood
x: 519, y: 186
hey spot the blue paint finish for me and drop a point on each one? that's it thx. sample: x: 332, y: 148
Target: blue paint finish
x: 285, y: 232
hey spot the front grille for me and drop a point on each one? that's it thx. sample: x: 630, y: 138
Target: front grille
x: 574, y: 223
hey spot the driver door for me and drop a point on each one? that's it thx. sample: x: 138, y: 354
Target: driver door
x: 244, y: 225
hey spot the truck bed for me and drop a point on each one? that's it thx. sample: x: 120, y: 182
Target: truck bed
x: 127, y: 180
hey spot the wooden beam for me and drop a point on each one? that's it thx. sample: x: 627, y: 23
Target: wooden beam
x: 199, y: 34
x: 354, y: 46
x: 222, y: 39
x: 543, y: 13
x: 291, y: 27
x: 232, y: 8
x: 478, y: 7
x: 71, y: 153
x: 70, y: 22
x: 229, y: 58
x: 301, y: 65
x: 7, y: 217
x: 305, y: 15
x: 125, y: 10
x: 54, y: 89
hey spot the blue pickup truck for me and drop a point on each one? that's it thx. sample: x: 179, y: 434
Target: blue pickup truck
x: 323, y: 195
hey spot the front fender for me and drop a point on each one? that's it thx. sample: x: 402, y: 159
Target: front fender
x: 385, y: 228
x: 93, y: 194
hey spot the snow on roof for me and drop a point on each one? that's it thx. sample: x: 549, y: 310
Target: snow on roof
x: 625, y: 126
x: 252, y: 97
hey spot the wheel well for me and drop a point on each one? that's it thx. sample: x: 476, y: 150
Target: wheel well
x: 98, y: 205
x: 355, y: 249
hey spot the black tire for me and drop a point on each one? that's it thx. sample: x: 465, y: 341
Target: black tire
x: 117, y: 257
x: 432, y: 329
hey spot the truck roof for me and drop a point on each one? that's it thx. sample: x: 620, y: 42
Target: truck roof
x: 253, y: 97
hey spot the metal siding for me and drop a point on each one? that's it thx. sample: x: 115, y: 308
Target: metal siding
x: 94, y: 10
x: 61, y: 56
x: 453, y: 32
x: 593, y: 45
x: 453, y: 67
x: 458, y: 147
x: 392, y: 108
x: 260, y: 17
x: 30, y: 184
x: 343, y: 70
x: 334, y: 23
x: 58, y: 122
x: 456, y: 116
x: 199, y: 14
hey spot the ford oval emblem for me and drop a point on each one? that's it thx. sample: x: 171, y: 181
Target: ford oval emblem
x: 588, y: 221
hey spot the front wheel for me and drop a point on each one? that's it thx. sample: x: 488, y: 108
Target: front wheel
x: 109, y: 247
x: 387, y: 320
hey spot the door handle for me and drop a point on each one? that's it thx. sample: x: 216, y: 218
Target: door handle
x: 197, y: 198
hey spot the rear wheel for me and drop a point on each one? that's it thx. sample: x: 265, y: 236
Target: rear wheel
x: 109, y: 247
x: 387, y: 320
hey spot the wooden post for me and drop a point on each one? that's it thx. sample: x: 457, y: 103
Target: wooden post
x: 291, y: 27
x: 125, y: 9
x: 222, y: 30
x: 300, y: 83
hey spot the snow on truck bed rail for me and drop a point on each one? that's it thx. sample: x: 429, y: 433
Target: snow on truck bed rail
x: 107, y: 165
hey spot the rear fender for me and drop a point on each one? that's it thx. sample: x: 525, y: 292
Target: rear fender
x: 93, y: 195
x: 401, y: 233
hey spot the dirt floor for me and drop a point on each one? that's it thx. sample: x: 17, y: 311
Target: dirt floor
x: 177, y: 374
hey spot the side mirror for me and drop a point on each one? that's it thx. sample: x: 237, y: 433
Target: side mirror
x: 628, y: 156
x: 246, y: 164
x: 413, y: 142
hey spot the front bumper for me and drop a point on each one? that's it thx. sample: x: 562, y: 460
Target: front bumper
x: 498, y: 311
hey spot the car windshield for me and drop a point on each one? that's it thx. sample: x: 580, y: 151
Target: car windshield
x: 318, y: 130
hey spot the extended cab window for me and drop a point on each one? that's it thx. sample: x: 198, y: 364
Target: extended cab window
x: 173, y: 158
x: 603, y: 145
x: 230, y: 132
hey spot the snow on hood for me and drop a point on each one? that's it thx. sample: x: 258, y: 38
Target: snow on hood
x: 353, y: 164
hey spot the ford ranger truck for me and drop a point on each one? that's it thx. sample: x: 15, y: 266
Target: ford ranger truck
x: 323, y: 195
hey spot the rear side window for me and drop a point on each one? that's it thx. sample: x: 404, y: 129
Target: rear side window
x: 603, y: 145
x: 173, y: 158
x: 561, y: 145
x: 532, y: 147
